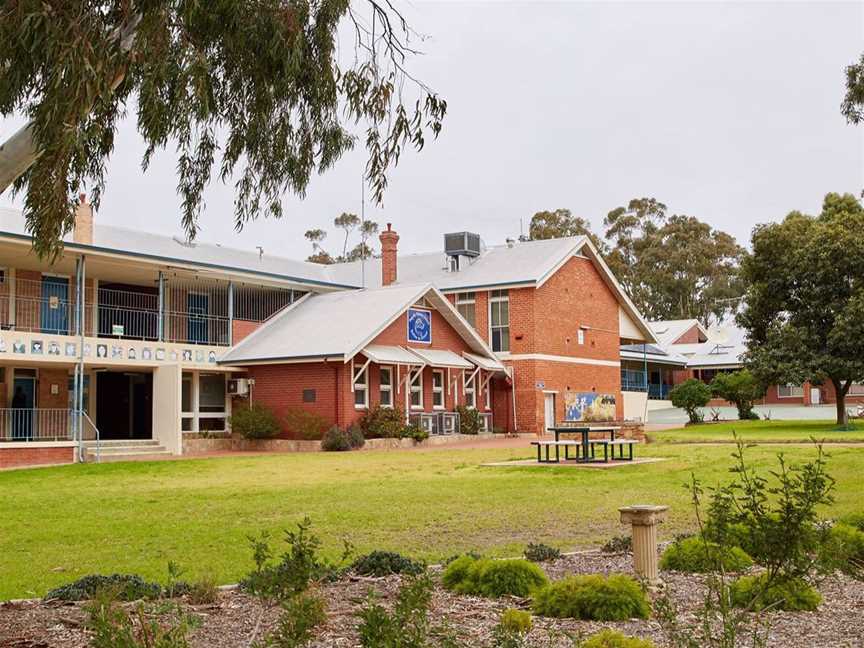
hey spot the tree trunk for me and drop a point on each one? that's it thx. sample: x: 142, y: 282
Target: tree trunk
x: 840, y: 393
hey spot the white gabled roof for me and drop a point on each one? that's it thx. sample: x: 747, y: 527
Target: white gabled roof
x: 725, y: 347
x: 339, y: 325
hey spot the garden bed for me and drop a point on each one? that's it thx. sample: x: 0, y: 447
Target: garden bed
x: 232, y: 619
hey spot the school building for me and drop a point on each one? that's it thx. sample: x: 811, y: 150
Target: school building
x: 130, y: 342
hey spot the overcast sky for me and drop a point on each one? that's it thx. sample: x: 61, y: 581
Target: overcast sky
x: 725, y: 111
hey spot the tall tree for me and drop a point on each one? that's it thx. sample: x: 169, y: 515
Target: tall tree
x: 349, y: 223
x: 259, y: 83
x: 560, y: 223
x: 853, y: 101
x: 804, y: 309
x: 673, y: 267
x: 319, y: 254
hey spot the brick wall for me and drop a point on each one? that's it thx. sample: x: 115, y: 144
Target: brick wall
x: 35, y: 456
x: 241, y: 329
x: 690, y: 336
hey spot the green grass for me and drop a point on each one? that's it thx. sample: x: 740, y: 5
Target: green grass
x: 763, y: 431
x: 59, y: 523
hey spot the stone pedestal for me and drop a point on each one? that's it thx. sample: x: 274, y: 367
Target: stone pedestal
x: 644, y: 519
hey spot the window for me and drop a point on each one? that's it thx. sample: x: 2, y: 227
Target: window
x: 361, y: 387
x: 790, y: 391
x: 211, y: 393
x: 580, y: 336
x: 385, y: 387
x: 438, y: 389
x: 417, y: 389
x: 465, y: 305
x: 309, y: 396
x: 470, y: 394
x: 499, y: 320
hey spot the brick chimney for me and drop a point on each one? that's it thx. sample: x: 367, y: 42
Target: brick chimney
x: 83, y: 230
x: 388, y: 239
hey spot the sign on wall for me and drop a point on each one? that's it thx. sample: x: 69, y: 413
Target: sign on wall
x: 588, y: 406
x: 419, y: 325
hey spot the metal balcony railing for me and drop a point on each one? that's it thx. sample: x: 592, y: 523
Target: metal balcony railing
x: 35, y: 424
x: 192, y: 312
x: 633, y: 380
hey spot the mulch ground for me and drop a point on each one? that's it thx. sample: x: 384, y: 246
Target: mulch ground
x: 232, y: 620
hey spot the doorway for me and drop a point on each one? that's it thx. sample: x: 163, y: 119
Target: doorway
x: 124, y: 405
x: 548, y: 412
x: 23, y: 402
x: 198, y: 305
x: 55, y: 305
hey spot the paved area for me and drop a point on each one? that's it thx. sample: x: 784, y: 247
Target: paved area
x: 675, y: 417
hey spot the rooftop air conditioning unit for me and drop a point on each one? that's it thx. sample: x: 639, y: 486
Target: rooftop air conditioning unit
x: 462, y: 244
x: 238, y: 387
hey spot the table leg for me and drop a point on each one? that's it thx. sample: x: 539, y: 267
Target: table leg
x: 539, y: 457
x: 606, y: 453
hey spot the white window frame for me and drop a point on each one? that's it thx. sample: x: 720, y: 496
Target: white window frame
x: 470, y: 389
x: 463, y: 300
x: 415, y: 386
x: 357, y: 385
x: 385, y: 388
x: 488, y: 395
x: 791, y: 391
x: 438, y: 390
x: 580, y: 336
x: 495, y: 299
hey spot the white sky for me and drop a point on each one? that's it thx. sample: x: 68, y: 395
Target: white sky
x: 725, y: 111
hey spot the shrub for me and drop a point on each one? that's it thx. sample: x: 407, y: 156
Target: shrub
x: 728, y: 534
x: 306, y: 425
x: 607, y: 638
x: 338, y: 440
x: 699, y: 556
x: 740, y: 388
x: 407, y: 625
x: 124, y: 587
x: 355, y: 437
x: 113, y: 626
x: 844, y: 549
x: 690, y: 396
x: 593, y: 598
x: 854, y: 520
x: 383, y: 423
x: 493, y: 578
x: 516, y: 621
x: 618, y: 544
x: 300, y: 615
x: 414, y: 432
x: 541, y: 553
x: 469, y: 420
x: 793, y: 594
x: 255, y: 421
x: 203, y: 591
x: 384, y: 563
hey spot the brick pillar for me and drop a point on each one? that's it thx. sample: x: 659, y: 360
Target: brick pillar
x: 388, y: 239
x: 83, y: 231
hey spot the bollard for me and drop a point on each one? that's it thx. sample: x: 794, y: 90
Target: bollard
x: 644, y: 519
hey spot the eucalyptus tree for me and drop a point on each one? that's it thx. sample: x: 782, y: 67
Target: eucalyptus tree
x: 262, y: 85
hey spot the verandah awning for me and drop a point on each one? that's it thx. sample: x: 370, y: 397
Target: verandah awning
x: 391, y: 355
x: 442, y: 358
x: 489, y: 364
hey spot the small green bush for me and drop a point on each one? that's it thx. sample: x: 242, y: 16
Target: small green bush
x: 306, y: 425
x: 607, y: 638
x: 124, y: 587
x: 741, y: 388
x: 203, y: 591
x: 618, y: 544
x: 469, y: 420
x: 854, y: 520
x: 255, y: 421
x: 844, y: 549
x: 690, y: 395
x: 113, y: 625
x: 793, y: 595
x: 300, y: 615
x: 383, y: 423
x: 414, y: 432
x: 700, y: 556
x: 384, y: 563
x: 729, y: 534
x: 355, y: 437
x: 540, y: 552
x: 516, y: 621
x: 493, y: 578
x: 338, y: 440
x: 593, y: 598
x: 406, y: 624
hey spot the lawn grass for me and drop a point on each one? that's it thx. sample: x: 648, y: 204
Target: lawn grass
x: 59, y: 523
x: 764, y: 431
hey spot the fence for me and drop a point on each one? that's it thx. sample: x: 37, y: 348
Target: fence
x: 28, y: 424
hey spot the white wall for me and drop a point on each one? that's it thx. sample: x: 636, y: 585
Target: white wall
x: 166, y: 407
x: 635, y: 405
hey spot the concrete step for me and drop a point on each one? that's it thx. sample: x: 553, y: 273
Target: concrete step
x: 122, y: 443
x: 128, y: 456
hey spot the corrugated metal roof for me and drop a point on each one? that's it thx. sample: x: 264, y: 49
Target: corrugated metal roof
x: 667, y: 331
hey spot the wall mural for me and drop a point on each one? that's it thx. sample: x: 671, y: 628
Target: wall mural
x: 112, y: 351
x: 588, y: 406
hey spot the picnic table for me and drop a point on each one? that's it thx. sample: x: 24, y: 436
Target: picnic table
x: 585, y: 447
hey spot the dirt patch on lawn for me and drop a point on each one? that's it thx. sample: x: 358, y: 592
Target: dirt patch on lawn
x: 231, y: 621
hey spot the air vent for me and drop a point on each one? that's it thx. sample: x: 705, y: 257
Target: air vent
x: 462, y: 244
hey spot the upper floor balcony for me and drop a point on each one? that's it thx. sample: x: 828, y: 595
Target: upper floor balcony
x: 170, y: 307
